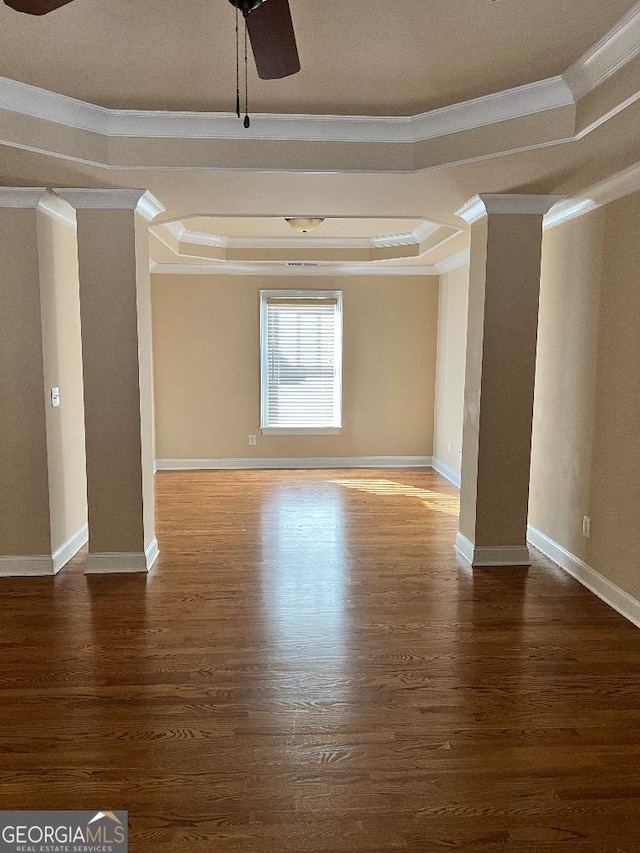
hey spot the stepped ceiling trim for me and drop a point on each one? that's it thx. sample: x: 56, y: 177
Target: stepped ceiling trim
x: 618, y: 47
x: 617, y: 186
x: 410, y: 246
x: 147, y: 124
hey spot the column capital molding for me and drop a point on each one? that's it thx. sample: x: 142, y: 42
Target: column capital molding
x: 142, y: 201
x: 21, y: 197
x: 486, y: 204
x: 57, y: 208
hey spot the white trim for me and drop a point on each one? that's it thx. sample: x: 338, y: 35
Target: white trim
x: 182, y: 234
x: 426, y: 229
x: 122, y: 563
x: 613, y: 51
x: 446, y: 472
x: 54, y: 206
x: 23, y: 567
x: 142, y: 201
x: 24, y: 198
x: 486, y: 204
x: 70, y: 548
x: 454, y: 262
x: 487, y: 556
x: 152, y: 552
x: 149, y: 207
x: 526, y: 100
x: 567, y: 210
x: 289, y: 269
x: 289, y: 463
x: 596, y: 583
x: 266, y: 430
x: 611, y: 189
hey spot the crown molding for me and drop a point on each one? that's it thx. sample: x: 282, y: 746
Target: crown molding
x: 506, y: 203
x: 150, y: 207
x: 202, y: 238
x: 297, y: 269
x: 57, y: 208
x: 199, y: 238
x: 25, y: 198
x: 409, y: 238
x: 454, y: 262
x: 142, y: 201
x: 566, y: 210
x: 531, y: 98
x: 613, y: 51
x: 598, y: 195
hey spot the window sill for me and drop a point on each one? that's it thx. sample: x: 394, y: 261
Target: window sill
x: 301, y: 430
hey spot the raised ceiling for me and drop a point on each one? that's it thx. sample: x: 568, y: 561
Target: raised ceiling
x: 359, y: 57
x: 370, y: 177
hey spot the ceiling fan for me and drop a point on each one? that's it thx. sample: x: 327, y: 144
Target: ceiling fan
x: 269, y: 26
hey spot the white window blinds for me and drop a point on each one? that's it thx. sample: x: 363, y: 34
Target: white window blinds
x: 301, y: 359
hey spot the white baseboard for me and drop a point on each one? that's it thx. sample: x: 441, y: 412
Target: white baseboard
x: 152, y: 553
x: 498, y: 555
x: 302, y: 463
x: 26, y: 567
x: 446, y: 472
x: 121, y: 562
x: 70, y: 548
x: 44, y: 565
x: 596, y: 583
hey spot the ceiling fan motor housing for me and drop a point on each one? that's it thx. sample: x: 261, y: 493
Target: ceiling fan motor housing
x: 246, y: 6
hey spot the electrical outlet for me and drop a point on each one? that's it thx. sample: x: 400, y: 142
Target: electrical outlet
x: 586, y: 527
x: 450, y: 447
x: 252, y: 440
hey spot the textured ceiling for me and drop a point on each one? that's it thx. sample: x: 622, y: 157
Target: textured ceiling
x: 370, y: 57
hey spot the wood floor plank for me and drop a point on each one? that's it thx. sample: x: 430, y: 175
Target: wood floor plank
x: 309, y: 668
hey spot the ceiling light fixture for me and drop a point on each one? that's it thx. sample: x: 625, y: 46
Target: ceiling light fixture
x: 302, y: 224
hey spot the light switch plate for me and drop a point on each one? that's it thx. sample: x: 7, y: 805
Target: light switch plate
x: 55, y: 398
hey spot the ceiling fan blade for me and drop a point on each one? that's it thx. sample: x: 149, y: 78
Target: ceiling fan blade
x: 36, y: 7
x: 273, y: 40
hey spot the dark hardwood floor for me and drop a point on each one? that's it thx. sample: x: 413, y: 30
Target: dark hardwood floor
x: 308, y: 668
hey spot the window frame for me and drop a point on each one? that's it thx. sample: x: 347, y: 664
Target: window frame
x: 303, y: 296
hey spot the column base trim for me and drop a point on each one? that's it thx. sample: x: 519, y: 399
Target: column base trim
x: 26, y: 567
x: 486, y: 556
x: 45, y: 565
x: 136, y: 562
x: 70, y: 548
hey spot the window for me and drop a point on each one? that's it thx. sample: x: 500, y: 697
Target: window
x: 301, y: 361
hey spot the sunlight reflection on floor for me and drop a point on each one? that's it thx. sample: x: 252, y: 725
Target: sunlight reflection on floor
x: 437, y: 501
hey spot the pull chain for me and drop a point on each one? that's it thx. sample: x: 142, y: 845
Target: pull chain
x: 247, y: 120
x: 238, y: 62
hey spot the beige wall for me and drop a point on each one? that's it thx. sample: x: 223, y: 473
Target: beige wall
x: 59, y: 297
x: 24, y: 505
x: 207, y: 367
x: 586, y: 441
x: 452, y: 347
